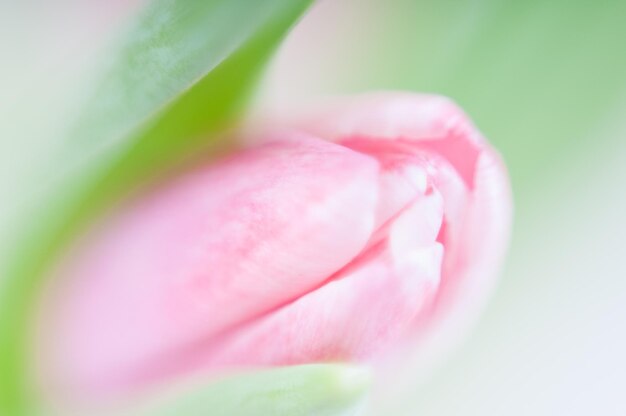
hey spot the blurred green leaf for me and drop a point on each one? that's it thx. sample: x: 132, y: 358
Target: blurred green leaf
x: 177, y: 79
x: 307, y: 390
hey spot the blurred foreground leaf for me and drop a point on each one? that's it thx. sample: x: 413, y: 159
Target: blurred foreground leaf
x: 177, y: 78
x: 319, y: 389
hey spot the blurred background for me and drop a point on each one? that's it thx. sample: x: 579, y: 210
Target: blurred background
x: 546, y: 83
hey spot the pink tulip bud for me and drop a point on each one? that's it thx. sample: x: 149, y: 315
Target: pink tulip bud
x: 334, y: 239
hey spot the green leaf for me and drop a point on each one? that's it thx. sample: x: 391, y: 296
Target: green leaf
x: 318, y: 389
x: 177, y: 80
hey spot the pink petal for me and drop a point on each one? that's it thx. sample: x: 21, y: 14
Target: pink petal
x: 360, y: 313
x: 468, y: 173
x: 219, y: 246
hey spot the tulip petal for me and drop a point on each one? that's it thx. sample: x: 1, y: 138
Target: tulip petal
x: 479, y: 245
x: 218, y: 247
x: 384, y: 116
x: 363, y: 311
x: 471, y: 178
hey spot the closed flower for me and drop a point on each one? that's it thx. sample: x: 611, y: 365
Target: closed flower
x: 376, y: 222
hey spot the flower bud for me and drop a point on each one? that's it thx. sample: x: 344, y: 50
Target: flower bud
x: 335, y: 238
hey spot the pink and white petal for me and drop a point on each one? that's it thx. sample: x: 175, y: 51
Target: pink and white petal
x: 434, y: 123
x: 467, y: 172
x: 365, y: 310
x: 382, y: 115
x: 475, y: 250
x: 463, y: 167
x: 482, y: 244
x: 216, y: 247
